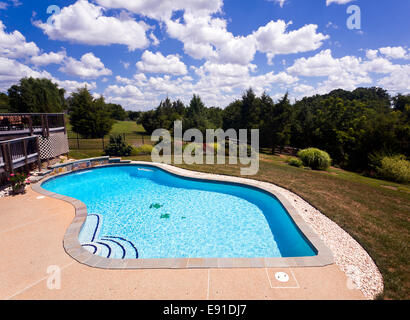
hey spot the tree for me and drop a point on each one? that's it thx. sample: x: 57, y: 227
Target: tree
x: 277, y: 122
x: 232, y: 116
x: 36, y: 96
x: 134, y: 115
x: 117, y: 111
x: 196, y: 115
x: 89, y: 117
x: 4, y: 103
x: 400, y: 102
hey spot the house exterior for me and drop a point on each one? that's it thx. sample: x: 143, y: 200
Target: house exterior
x: 29, y: 139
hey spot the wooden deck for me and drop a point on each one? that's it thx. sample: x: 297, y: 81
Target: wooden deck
x: 19, y: 152
x: 19, y: 137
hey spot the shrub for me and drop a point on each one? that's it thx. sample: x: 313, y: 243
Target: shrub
x: 315, y: 158
x: 395, y: 168
x: 117, y: 147
x: 144, y: 149
x: 18, y: 181
x: 294, y: 162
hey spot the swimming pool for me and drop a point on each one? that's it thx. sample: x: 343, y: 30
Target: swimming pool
x: 144, y: 212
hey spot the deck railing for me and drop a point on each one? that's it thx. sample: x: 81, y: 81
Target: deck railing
x: 19, y: 152
x: 31, y: 123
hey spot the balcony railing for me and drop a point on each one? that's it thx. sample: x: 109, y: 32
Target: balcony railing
x: 12, y: 124
x: 19, y: 152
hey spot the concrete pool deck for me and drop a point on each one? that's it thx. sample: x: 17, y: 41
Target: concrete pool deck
x: 32, y: 228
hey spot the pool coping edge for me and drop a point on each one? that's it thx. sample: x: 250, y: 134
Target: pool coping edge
x: 73, y: 247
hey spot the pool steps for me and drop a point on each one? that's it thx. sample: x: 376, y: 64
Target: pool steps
x: 105, y: 246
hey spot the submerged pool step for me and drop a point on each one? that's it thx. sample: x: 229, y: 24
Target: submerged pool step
x: 113, y: 247
x: 129, y: 249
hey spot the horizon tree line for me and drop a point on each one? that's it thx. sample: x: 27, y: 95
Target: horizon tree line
x: 354, y: 127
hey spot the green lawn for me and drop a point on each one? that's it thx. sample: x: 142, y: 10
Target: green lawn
x: 374, y: 212
x: 86, y: 148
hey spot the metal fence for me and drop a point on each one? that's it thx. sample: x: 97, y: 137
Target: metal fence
x: 76, y: 142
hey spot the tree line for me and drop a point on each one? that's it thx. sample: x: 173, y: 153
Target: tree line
x: 355, y: 127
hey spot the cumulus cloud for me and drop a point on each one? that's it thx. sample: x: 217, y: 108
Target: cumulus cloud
x: 72, y: 86
x: 395, y: 52
x: 323, y: 64
x: 349, y: 72
x: 157, y: 63
x: 274, y: 38
x: 398, y: 81
x: 89, y: 66
x: 208, y: 38
x: 128, y: 91
x: 84, y: 22
x: 11, y: 71
x: 162, y: 10
x: 14, y: 44
x: 49, y: 58
x: 217, y: 84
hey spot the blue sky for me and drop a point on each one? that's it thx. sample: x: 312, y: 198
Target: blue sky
x: 137, y: 52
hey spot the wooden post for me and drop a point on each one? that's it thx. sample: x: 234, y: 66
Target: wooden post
x: 47, y: 127
x: 65, y: 127
x: 30, y: 123
x: 43, y: 125
x: 11, y: 167
x: 5, y: 157
x: 38, y: 153
x: 25, y: 154
x: 78, y: 143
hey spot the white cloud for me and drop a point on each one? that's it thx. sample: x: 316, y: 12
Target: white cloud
x: 303, y: 89
x: 11, y: 71
x: 279, y: 2
x: 72, y: 86
x: 349, y: 72
x: 14, y: 45
x: 162, y: 10
x: 274, y: 38
x: 395, y: 52
x: 398, y: 81
x: 89, y: 66
x: 208, y: 38
x: 49, y: 58
x: 128, y: 91
x: 372, y: 54
x: 157, y: 63
x: 84, y: 22
x: 154, y: 39
x: 329, y: 2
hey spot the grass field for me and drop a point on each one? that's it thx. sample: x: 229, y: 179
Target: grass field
x: 375, y: 212
x: 86, y: 148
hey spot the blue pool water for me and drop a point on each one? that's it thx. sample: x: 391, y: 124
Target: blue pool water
x: 145, y: 212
